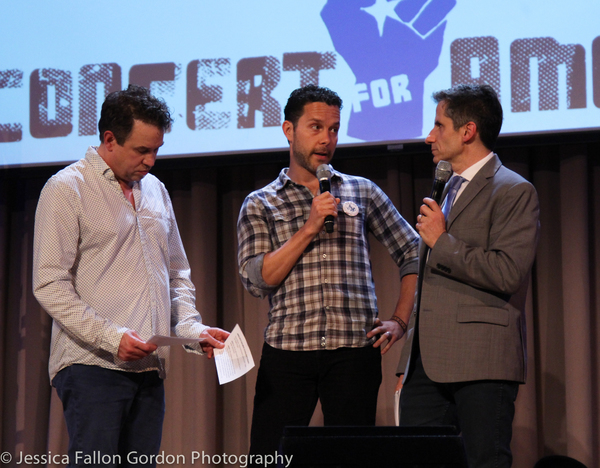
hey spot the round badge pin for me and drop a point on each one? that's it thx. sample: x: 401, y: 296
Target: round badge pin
x: 350, y: 208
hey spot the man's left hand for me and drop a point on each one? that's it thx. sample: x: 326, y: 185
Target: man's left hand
x: 212, y: 338
x: 431, y: 223
x: 389, y: 330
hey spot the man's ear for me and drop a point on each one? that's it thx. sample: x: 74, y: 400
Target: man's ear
x: 109, y: 140
x: 288, y: 130
x: 469, y: 131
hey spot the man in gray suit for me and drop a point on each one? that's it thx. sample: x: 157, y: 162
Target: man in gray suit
x: 465, y: 353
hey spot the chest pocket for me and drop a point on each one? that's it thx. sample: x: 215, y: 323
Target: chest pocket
x: 285, y: 225
x: 350, y: 226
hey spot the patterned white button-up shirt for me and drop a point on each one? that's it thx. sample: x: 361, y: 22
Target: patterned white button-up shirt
x: 102, y: 267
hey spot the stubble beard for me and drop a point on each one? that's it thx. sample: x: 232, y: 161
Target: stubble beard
x: 303, y: 160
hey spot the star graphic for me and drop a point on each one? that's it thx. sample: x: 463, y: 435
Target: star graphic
x: 381, y: 10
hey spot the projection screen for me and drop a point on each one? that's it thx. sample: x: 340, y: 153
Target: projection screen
x: 227, y: 67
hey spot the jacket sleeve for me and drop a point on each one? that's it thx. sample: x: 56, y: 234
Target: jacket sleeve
x: 501, y: 263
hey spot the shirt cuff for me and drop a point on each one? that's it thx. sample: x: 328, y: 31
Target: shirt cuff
x: 410, y: 268
x: 254, y: 272
x: 111, y: 339
x: 195, y: 348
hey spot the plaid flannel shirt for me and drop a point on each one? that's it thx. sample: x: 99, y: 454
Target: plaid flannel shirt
x: 328, y: 299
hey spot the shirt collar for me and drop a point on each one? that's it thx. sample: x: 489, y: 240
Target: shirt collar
x: 284, y: 179
x: 99, y: 164
x: 472, y: 171
x: 96, y: 161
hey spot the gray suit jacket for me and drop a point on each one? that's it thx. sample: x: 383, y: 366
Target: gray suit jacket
x: 471, y: 322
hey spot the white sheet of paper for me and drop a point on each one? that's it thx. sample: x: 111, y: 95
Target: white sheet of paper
x: 162, y: 340
x: 397, y: 407
x: 235, y: 359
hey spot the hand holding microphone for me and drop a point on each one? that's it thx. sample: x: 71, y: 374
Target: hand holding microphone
x: 443, y: 171
x: 324, y: 176
x: 431, y: 220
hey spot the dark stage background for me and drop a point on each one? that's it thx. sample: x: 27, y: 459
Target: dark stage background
x: 557, y: 410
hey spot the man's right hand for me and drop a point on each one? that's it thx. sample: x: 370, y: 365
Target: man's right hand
x: 322, y: 206
x: 132, y: 347
x: 278, y: 264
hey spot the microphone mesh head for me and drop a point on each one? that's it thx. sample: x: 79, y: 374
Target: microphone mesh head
x: 443, y: 171
x: 324, y: 171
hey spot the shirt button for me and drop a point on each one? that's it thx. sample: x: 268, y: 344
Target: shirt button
x: 326, y: 281
x: 324, y: 255
x: 322, y: 341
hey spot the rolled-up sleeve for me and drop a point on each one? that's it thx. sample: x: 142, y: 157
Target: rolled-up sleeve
x: 253, y: 243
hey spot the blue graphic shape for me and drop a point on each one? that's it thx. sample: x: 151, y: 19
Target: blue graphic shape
x: 391, y: 47
x: 409, y: 9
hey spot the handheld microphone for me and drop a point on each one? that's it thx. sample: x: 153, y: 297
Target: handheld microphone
x: 443, y: 171
x: 324, y: 176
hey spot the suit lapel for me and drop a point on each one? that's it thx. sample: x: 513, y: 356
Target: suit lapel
x: 481, y: 179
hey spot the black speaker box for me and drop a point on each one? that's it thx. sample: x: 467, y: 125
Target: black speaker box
x: 380, y: 446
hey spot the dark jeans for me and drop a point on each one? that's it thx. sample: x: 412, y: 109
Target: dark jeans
x: 113, y: 418
x: 483, y: 410
x: 289, y: 383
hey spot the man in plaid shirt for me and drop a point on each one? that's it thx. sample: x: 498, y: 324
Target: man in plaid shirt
x: 323, y: 335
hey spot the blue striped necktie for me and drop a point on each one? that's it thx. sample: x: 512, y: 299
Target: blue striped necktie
x: 453, y: 187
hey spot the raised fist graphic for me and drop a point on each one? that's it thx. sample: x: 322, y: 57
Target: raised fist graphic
x: 392, y: 47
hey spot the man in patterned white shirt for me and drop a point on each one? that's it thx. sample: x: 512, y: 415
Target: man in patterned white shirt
x: 111, y: 270
x: 323, y: 333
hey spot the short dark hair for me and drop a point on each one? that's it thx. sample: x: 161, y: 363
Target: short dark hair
x: 474, y: 103
x: 305, y: 95
x: 121, y: 108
